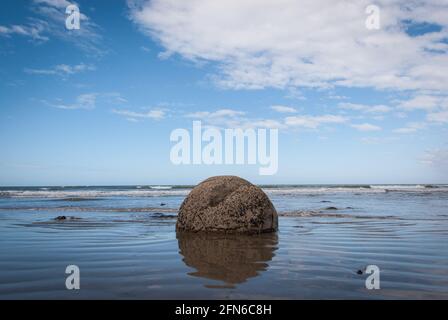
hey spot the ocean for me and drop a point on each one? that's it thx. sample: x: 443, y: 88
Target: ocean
x: 123, y: 240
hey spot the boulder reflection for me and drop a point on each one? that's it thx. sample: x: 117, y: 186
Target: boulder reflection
x: 229, y: 258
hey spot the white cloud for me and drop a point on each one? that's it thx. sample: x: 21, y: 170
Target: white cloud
x: 379, y: 109
x: 265, y: 123
x: 309, y: 43
x: 215, y: 115
x: 114, y: 98
x: 220, y: 118
x: 33, y: 30
x: 87, y: 38
x: 434, y: 104
x: 294, y: 93
x: 84, y: 101
x: 88, y: 101
x: 67, y: 69
x: 283, y: 109
x: 440, y: 117
x: 312, y: 122
x: 62, y: 70
x: 423, y: 102
x: 62, y: 4
x: 411, y: 127
x: 378, y: 140
x: 405, y: 130
x: 401, y: 115
x: 366, y: 127
x: 154, y: 114
x: 229, y: 118
x: 222, y: 113
x: 365, y: 108
x: 336, y: 97
x: 50, y: 22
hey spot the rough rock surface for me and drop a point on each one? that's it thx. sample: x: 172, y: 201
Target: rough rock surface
x: 227, y: 204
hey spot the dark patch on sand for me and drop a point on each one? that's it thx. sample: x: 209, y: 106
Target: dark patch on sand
x: 76, y: 199
x: 64, y: 218
x: 92, y: 209
x: 159, y: 215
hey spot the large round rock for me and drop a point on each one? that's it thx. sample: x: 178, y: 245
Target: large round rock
x: 227, y: 204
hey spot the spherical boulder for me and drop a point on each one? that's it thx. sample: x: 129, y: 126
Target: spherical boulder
x: 227, y: 204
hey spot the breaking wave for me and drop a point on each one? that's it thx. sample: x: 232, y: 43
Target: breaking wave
x: 92, y: 193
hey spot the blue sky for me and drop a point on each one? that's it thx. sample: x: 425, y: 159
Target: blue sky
x: 96, y: 106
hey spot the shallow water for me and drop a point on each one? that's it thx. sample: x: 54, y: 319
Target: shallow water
x: 124, y: 242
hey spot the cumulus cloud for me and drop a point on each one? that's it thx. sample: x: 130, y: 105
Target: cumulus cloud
x: 313, y: 122
x: 265, y: 123
x: 366, y: 127
x: 365, y: 108
x: 238, y: 119
x: 154, y: 114
x: 284, y: 109
x: 220, y: 118
x: 424, y: 102
x: 434, y: 104
x: 411, y: 127
x: 311, y: 43
x: 229, y: 118
x: 222, y: 113
x: 321, y: 44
